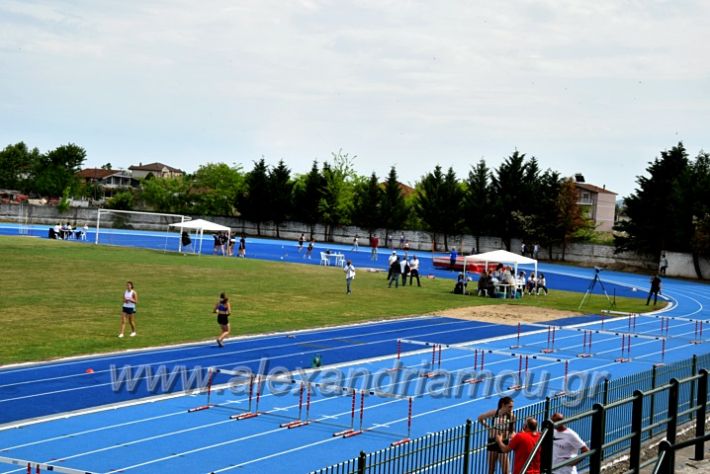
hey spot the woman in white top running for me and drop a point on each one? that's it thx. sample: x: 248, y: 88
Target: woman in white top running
x: 128, y: 312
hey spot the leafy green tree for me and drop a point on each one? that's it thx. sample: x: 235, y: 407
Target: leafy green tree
x: 308, y: 191
x: 658, y: 217
x: 394, y: 208
x: 367, y: 204
x: 507, y: 182
x: 253, y: 204
x: 170, y: 195
x: 16, y: 163
x: 122, y: 201
x: 281, y: 195
x: 569, y: 215
x: 698, y: 200
x: 336, y: 199
x: 477, y: 202
x: 439, y: 203
x: 55, y: 171
x: 215, y: 187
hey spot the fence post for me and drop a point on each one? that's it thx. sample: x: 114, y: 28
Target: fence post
x: 547, y: 408
x: 362, y: 463
x: 597, y: 439
x: 672, y: 421
x: 667, y: 465
x: 547, y: 446
x: 693, y: 371
x: 636, y: 426
x: 467, y: 447
x: 605, y: 395
x: 652, y: 403
x: 700, y: 416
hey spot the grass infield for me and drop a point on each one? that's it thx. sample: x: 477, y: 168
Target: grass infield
x: 61, y: 299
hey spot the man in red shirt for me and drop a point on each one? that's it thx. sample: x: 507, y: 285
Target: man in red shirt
x: 522, y: 445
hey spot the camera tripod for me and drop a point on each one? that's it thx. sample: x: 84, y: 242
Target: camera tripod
x: 590, y: 289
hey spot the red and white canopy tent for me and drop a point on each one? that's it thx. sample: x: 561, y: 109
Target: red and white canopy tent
x: 200, y: 226
x: 499, y: 256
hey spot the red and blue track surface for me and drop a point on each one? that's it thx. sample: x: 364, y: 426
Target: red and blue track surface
x: 57, y: 413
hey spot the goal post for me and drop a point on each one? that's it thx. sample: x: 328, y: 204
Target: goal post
x: 113, y: 226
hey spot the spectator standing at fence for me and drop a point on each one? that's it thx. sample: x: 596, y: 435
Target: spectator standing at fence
x: 349, y: 276
x: 309, y: 249
x: 223, y: 308
x: 566, y: 445
x: 356, y: 243
x: 414, y: 271
x: 301, y: 239
x: 522, y: 444
x: 535, y: 251
x: 128, y: 311
x: 655, y: 289
x: 498, y: 422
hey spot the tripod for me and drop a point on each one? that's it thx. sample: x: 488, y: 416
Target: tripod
x: 592, y: 284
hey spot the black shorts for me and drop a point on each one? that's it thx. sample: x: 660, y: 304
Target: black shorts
x: 492, y: 445
x: 222, y: 319
x: 129, y: 311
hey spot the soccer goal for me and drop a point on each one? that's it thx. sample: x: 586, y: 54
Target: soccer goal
x: 115, y: 227
x: 23, y: 219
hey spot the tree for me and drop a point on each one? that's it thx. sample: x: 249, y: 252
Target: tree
x: 506, y: 184
x: 477, y: 202
x: 308, y: 190
x: 394, y: 208
x: 55, y: 171
x: 439, y: 203
x: 336, y: 199
x: 658, y: 217
x: 699, y: 202
x: 16, y: 163
x: 367, y: 204
x: 569, y: 214
x: 215, y: 188
x: 281, y: 194
x: 167, y: 194
x: 254, y: 202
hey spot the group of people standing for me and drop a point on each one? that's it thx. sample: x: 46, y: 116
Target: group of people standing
x: 223, y: 244
x: 502, y: 439
x: 400, y: 268
x: 531, y: 250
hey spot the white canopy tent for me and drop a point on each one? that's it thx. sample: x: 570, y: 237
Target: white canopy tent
x: 200, y: 226
x: 500, y: 256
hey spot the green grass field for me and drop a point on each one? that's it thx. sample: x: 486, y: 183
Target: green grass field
x: 61, y: 299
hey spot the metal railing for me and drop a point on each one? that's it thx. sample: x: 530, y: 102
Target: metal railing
x: 614, y: 417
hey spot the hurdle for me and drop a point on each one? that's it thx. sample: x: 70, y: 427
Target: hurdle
x: 698, y: 334
x: 586, y: 345
x: 407, y: 438
x: 300, y: 421
x: 518, y: 386
x: 436, y: 348
x: 563, y: 392
x: 251, y: 414
x: 550, y: 340
x: 475, y: 366
x: 517, y: 339
x: 208, y: 405
x: 625, y: 348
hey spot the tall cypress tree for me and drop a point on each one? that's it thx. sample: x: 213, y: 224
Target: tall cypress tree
x: 477, y: 202
x: 367, y: 207
x: 394, y: 208
x: 280, y: 194
x: 254, y: 202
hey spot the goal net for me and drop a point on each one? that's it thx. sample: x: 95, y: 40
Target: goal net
x: 138, y: 229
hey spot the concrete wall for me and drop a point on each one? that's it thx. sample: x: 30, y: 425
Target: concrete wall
x: 583, y: 254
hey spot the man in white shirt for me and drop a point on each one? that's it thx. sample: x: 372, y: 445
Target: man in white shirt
x: 349, y: 276
x: 567, y: 444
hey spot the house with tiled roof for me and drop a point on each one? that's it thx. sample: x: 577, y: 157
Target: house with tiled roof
x: 157, y: 170
x: 599, y: 204
x: 108, y: 181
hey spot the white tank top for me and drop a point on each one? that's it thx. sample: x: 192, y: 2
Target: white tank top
x: 127, y: 296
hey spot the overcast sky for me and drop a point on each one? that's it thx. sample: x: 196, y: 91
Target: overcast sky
x: 598, y: 87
